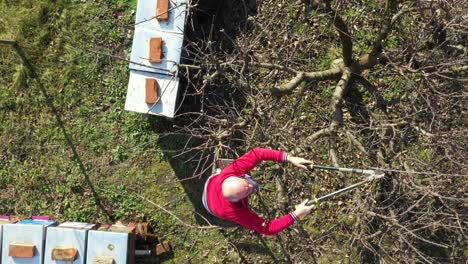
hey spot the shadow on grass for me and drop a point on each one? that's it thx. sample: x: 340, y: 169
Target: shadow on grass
x: 60, y: 123
x: 193, y: 187
x: 185, y: 167
x: 211, y: 20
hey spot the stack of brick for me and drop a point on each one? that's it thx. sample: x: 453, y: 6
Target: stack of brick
x: 148, y: 244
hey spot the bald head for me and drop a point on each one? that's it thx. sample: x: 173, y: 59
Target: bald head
x: 236, y: 188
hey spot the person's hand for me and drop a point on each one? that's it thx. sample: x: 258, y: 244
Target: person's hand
x: 303, y: 209
x: 300, y: 162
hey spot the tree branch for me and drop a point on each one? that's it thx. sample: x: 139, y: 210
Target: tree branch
x: 385, y: 30
x: 331, y: 74
x: 340, y: 91
x: 340, y: 25
x: 288, y: 87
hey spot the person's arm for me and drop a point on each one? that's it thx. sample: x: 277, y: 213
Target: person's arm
x: 299, y: 162
x: 249, y: 219
x: 248, y: 161
x: 302, y: 210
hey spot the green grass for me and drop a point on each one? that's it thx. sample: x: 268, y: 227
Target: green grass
x: 122, y: 154
x: 423, y: 153
x: 126, y: 155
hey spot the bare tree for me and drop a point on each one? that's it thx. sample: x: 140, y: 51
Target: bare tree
x: 367, y: 84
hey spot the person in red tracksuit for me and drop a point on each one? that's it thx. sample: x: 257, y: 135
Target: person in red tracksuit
x: 226, y: 194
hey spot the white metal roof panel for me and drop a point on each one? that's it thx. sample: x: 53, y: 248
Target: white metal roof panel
x: 172, y: 50
x: 167, y: 92
x: 146, y: 16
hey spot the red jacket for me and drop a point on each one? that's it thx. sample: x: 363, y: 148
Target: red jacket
x: 239, y: 212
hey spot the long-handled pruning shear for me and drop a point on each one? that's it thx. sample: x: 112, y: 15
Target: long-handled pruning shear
x: 370, y: 176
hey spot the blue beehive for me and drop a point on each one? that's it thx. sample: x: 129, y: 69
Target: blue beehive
x: 23, y: 243
x: 4, y: 220
x: 66, y: 243
x: 111, y: 244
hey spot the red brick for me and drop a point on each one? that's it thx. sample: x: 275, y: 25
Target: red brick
x: 21, y: 250
x: 155, y: 50
x: 163, y: 247
x: 162, y: 9
x: 64, y: 254
x: 151, y: 91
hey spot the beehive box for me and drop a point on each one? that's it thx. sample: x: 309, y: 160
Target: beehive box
x: 66, y: 243
x: 146, y: 16
x: 3, y: 221
x: 167, y: 94
x: 171, y: 49
x: 23, y: 243
x: 111, y: 244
